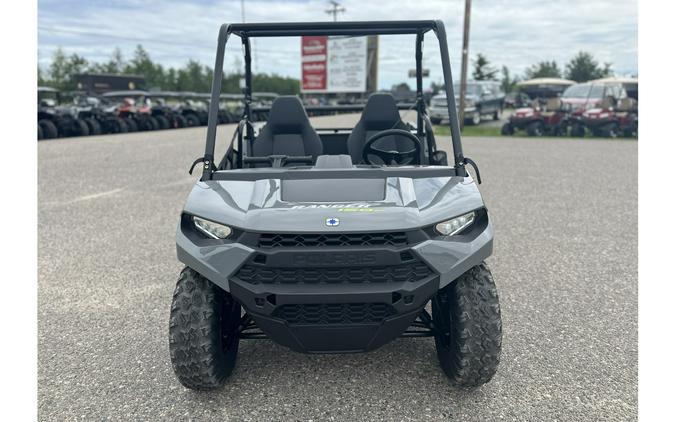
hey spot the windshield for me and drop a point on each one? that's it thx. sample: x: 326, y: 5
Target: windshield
x: 584, y: 91
x: 471, y: 89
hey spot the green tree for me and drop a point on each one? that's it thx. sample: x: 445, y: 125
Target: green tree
x: 508, y: 82
x: 544, y: 69
x: 141, y: 64
x: 482, y: 71
x: 583, y: 67
x: 63, y: 68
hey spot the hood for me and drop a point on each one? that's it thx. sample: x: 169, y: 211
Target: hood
x: 274, y: 205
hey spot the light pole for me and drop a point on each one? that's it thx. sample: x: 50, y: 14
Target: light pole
x: 336, y: 8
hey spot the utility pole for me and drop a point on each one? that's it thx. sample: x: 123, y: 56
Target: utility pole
x: 336, y: 8
x: 465, y: 60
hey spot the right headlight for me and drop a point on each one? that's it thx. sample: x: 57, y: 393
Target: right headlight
x: 456, y: 225
x: 211, y: 229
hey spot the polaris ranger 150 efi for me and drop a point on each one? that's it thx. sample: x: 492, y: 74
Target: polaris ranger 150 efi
x: 334, y: 240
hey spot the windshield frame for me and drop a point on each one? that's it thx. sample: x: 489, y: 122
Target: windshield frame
x: 246, y: 31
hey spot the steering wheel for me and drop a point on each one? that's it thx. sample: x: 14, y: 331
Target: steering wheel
x: 392, y: 156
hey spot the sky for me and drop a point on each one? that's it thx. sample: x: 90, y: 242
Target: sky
x: 514, y: 33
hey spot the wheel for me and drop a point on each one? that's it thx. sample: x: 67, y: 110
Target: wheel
x: 507, y: 129
x: 192, y: 120
x: 610, y: 130
x: 561, y: 129
x: 143, y: 123
x: 535, y: 129
x: 163, y: 122
x: 94, y: 126
x: 153, y: 123
x: 40, y: 133
x: 131, y: 124
x: 203, y: 340
x: 81, y: 128
x: 49, y: 129
x: 179, y: 121
x: 497, y: 114
x: 469, y: 328
x: 435, y: 120
x: 475, y: 118
x: 577, y: 130
x: 122, y: 126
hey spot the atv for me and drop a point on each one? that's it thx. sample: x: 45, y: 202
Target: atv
x: 545, y: 115
x: 55, y: 120
x: 334, y: 240
x: 134, y: 108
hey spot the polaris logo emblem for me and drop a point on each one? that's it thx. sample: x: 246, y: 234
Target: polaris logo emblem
x: 332, y: 221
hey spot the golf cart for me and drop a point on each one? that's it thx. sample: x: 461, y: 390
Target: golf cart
x: 594, y: 97
x: 545, y: 115
x: 334, y: 240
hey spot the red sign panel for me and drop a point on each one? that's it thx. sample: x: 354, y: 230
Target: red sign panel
x: 314, y: 63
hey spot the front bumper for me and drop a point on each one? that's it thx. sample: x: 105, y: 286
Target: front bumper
x: 442, y: 113
x: 332, y: 298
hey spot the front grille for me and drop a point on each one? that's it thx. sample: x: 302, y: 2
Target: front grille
x: 274, y: 240
x: 260, y: 274
x: 334, y: 313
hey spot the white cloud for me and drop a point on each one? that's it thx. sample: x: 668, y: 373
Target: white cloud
x: 515, y: 33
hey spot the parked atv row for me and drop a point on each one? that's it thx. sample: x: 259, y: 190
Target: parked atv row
x: 76, y: 114
x: 559, y: 107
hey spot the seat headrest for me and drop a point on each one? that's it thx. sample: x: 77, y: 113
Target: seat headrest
x: 381, y: 110
x: 287, y: 115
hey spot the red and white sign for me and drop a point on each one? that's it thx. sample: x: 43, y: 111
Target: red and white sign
x: 314, y: 64
x: 334, y: 64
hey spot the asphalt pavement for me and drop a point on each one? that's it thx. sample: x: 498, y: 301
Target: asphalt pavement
x: 565, y: 263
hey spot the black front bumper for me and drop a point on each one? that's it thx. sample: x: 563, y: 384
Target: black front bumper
x: 328, y: 299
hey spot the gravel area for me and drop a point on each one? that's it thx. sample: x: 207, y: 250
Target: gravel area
x: 565, y: 263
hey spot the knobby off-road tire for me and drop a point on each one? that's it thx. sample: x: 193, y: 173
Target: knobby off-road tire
x: 94, y: 126
x: 163, y: 122
x: 192, y: 120
x: 49, y: 129
x: 468, y: 318
x: 203, y: 339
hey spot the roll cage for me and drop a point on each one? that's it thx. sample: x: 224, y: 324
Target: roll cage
x: 246, y: 31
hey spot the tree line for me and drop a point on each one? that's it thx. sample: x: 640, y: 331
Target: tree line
x: 581, y: 68
x: 193, y: 76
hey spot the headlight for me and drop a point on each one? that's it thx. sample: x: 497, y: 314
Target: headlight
x: 456, y: 225
x: 211, y: 229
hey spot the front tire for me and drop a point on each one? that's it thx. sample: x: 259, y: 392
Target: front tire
x: 203, y: 340
x: 475, y: 118
x: 507, y: 129
x: 192, y: 120
x: 535, y: 129
x: 49, y: 129
x: 469, y: 328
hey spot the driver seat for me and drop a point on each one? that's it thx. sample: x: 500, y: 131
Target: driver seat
x: 287, y: 132
x: 380, y: 113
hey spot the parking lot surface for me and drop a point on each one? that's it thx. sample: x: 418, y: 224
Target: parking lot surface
x: 565, y: 263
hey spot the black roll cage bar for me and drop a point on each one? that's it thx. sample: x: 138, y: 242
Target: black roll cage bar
x: 246, y: 31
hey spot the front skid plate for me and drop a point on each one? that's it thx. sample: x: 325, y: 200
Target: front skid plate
x: 405, y: 299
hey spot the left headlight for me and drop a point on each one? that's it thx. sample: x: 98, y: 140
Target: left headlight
x: 456, y: 225
x: 211, y: 229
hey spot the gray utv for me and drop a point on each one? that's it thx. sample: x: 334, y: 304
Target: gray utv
x: 334, y: 240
